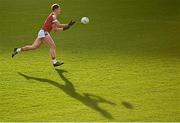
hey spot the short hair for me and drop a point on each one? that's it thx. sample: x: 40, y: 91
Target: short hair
x: 54, y: 7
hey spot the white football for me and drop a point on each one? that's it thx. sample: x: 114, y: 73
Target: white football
x: 85, y: 20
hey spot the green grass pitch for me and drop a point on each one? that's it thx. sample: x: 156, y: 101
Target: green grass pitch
x: 123, y: 66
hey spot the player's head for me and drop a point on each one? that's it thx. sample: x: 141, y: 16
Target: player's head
x: 56, y: 8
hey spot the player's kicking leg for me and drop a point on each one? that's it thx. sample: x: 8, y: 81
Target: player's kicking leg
x: 49, y: 41
x: 34, y: 46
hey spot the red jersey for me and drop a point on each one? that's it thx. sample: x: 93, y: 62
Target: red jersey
x: 51, y: 19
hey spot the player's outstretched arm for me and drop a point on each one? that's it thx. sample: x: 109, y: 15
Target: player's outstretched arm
x: 60, y: 25
x: 63, y: 25
x: 67, y: 26
x: 56, y: 28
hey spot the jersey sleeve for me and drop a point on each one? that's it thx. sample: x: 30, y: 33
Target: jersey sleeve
x: 54, y: 19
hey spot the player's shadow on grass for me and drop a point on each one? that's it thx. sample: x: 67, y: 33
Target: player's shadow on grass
x: 87, y: 99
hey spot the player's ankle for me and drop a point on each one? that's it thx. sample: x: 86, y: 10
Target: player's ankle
x: 18, y: 50
x: 54, y: 61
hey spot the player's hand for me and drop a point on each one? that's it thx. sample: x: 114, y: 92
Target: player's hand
x: 66, y: 28
x: 71, y: 23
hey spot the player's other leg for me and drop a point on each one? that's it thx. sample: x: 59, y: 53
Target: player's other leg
x: 34, y: 46
x: 49, y: 41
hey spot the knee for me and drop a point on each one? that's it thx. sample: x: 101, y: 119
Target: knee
x: 53, y: 47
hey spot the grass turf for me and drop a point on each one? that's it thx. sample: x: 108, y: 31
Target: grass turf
x: 123, y: 66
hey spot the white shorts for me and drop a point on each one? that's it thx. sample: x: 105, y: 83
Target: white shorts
x: 42, y: 33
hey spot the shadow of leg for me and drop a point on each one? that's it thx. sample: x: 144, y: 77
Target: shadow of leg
x: 69, y: 89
